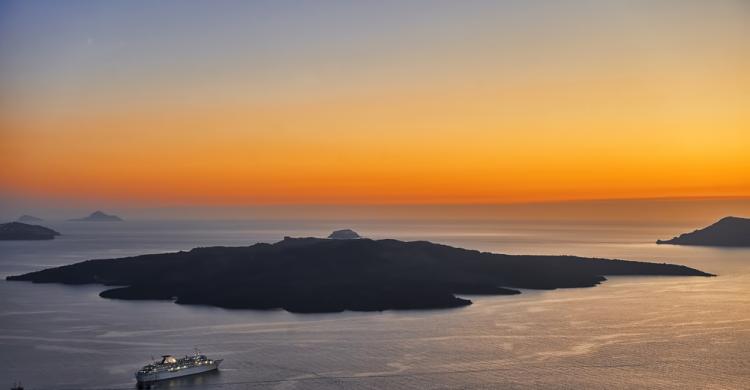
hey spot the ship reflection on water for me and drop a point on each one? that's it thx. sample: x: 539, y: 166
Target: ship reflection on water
x: 209, y: 378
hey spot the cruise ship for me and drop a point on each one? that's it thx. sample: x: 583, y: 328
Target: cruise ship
x: 171, y: 367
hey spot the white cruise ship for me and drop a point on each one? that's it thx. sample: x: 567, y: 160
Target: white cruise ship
x: 171, y: 367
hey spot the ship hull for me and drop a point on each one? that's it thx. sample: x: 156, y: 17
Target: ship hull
x: 164, y: 375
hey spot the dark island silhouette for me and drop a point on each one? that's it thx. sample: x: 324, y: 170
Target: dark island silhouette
x: 344, y: 234
x: 728, y: 231
x: 321, y: 275
x: 28, y: 219
x: 25, y: 231
x: 98, y: 216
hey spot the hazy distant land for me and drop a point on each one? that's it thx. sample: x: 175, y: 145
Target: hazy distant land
x: 728, y: 231
x: 323, y: 275
x: 28, y: 219
x: 98, y: 216
x: 25, y: 231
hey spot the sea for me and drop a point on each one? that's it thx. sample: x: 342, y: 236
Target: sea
x: 627, y: 333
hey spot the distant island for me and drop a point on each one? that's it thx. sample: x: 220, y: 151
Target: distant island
x: 28, y: 219
x: 345, y: 234
x: 321, y: 275
x: 98, y: 216
x: 24, y: 231
x: 728, y: 231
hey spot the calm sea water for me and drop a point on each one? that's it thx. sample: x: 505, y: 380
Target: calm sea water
x: 630, y: 332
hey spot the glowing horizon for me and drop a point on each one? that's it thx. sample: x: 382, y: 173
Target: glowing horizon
x: 337, y: 103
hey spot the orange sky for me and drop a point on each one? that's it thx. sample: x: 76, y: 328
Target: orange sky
x: 638, y: 107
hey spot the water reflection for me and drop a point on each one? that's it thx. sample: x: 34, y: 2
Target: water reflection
x: 197, y: 380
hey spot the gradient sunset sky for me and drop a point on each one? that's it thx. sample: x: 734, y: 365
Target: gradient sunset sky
x: 373, y: 102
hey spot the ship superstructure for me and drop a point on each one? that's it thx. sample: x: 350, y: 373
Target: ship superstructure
x: 171, y: 367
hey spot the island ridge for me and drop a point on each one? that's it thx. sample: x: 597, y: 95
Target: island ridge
x: 325, y: 275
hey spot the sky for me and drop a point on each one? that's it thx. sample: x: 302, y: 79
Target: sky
x: 176, y: 103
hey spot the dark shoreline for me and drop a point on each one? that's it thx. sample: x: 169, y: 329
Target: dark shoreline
x: 20, y: 231
x: 728, y: 232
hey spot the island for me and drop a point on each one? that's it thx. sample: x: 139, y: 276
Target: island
x: 25, y: 231
x: 728, y: 232
x: 344, y: 234
x: 98, y: 216
x: 307, y: 275
x: 28, y: 219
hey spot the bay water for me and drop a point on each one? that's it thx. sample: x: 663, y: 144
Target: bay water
x: 629, y: 332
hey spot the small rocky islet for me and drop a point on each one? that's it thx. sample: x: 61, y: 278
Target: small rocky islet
x: 344, y: 234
